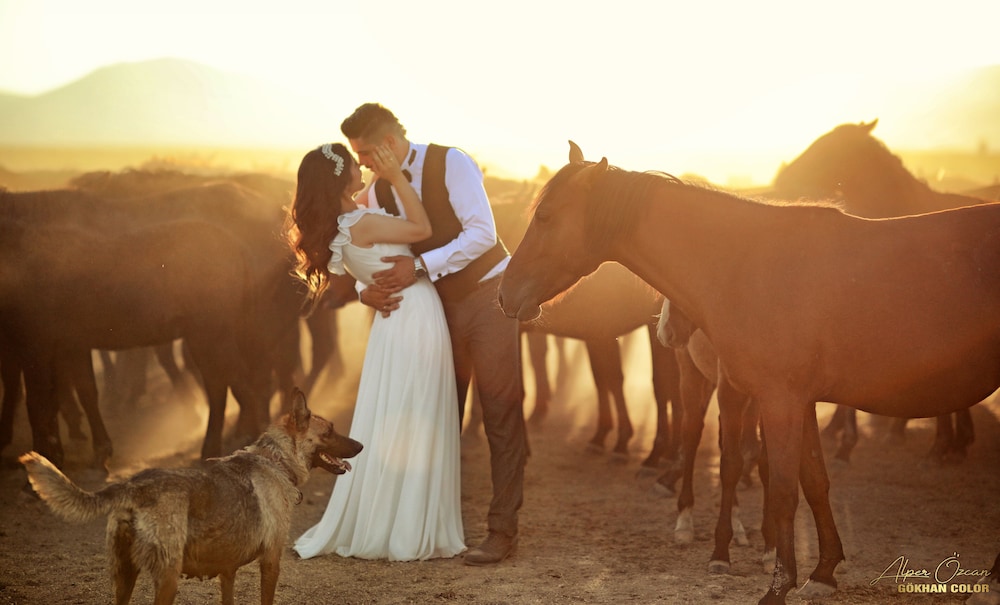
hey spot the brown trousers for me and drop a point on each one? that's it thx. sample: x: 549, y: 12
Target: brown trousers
x: 486, y: 344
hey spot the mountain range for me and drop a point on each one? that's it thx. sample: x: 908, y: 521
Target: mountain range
x: 172, y: 102
x: 163, y: 102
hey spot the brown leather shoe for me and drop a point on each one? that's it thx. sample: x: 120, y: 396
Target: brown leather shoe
x: 495, y: 548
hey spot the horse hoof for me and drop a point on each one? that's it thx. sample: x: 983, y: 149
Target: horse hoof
x: 815, y: 590
x: 719, y: 567
x: 683, y: 536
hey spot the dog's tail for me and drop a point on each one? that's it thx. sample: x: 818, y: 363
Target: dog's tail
x: 63, y: 496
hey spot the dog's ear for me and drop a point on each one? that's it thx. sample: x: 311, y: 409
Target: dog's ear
x: 300, y: 411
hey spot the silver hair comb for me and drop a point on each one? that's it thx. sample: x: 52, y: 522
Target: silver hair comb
x: 329, y: 154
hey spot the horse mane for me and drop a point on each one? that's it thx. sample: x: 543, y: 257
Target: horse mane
x: 620, y: 198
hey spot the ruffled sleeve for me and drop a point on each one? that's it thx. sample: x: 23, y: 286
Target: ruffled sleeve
x: 343, y: 237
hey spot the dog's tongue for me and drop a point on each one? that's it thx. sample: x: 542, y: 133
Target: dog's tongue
x: 347, y: 465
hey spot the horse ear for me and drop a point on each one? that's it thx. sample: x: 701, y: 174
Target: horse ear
x: 300, y: 410
x: 869, y: 126
x: 590, y: 174
x: 575, y: 153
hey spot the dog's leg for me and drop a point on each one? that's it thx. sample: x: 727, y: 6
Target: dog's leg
x: 165, y: 584
x: 270, y: 567
x: 123, y: 569
x: 227, y: 581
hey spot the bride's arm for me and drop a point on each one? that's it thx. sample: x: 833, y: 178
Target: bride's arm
x: 416, y: 225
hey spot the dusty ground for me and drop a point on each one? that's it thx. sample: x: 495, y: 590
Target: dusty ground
x: 591, y: 531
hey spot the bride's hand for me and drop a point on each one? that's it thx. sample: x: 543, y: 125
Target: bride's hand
x: 385, y: 164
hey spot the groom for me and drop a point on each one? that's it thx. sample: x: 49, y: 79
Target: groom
x: 465, y: 259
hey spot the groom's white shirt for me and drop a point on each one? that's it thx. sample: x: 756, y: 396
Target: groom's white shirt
x: 464, y: 180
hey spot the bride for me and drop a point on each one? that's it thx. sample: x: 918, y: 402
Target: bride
x: 402, y: 500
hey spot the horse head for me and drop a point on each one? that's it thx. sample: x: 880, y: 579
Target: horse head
x: 673, y: 328
x: 833, y: 163
x: 554, y: 253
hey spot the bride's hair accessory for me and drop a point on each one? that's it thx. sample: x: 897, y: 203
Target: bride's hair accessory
x: 329, y: 154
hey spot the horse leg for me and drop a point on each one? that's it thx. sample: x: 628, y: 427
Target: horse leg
x: 603, y: 354
x: 40, y: 399
x: 769, y: 555
x: 284, y: 374
x: 782, y: 418
x: 13, y: 393
x: 897, y: 430
x: 322, y: 326
x: 165, y: 358
x: 538, y: 347
x: 836, y: 424
x: 816, y: 488
x: 848, y: 436
x: 110, y: 377
x: 696, y: 391
x: 750, y: 441
x: 79, y: 368
x: 666, y: 389
x: 965, y: 432
x: 215, y: 383
x: 944, y: 437
x: 731, y: 407
x: 614, y: 380
x: 69, y: 411
x: 133, y: 365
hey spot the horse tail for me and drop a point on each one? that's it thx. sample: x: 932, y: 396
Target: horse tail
x: 64, y: 497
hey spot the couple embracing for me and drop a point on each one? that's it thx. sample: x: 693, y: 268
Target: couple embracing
x: 422, y: 244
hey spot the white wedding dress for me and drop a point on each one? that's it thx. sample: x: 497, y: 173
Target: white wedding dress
x: 402, y: 500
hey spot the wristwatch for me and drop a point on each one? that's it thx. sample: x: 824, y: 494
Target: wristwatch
x: 418, y: 268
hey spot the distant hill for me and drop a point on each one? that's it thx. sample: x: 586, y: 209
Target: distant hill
x: 159, y: 102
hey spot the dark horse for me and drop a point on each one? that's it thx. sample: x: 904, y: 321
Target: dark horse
x: 802, y: 304
x: 857, y: 170
x: 122, y: 283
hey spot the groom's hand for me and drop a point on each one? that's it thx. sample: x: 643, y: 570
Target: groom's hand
x: 397, y: 277
x: 382, y: 300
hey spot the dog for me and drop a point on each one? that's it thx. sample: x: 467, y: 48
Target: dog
x: 209, y: 520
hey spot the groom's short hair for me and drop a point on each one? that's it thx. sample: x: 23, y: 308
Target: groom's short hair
x: 371, y: 121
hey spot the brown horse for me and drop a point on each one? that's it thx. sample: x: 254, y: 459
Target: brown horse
x: 857, y: 170
x: 600, y: 309
x: 897, y: 317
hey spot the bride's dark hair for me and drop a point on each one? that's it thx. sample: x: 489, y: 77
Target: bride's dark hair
x: 311, y: 223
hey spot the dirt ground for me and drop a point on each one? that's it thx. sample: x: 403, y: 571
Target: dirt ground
x: 591, y: 530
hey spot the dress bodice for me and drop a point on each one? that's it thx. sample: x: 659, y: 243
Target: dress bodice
x: 359, y: 261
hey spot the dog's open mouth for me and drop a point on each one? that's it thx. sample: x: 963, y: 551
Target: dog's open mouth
x: 337, y: 466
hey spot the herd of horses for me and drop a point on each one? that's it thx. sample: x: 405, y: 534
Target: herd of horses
x: 772, y: 305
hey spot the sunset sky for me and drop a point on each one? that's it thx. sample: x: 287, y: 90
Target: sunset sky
x: 642, y: 82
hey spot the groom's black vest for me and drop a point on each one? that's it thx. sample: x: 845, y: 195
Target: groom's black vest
x: 445, y: 226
